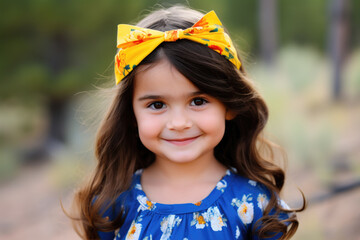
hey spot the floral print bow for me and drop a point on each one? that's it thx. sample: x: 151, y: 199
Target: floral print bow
x: 135, y: 43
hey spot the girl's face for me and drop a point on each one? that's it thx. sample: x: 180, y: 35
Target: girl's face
x: 176, y: 121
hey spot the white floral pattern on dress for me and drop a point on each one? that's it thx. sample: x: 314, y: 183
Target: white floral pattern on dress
x: 237, y: 233
x: 283, y: 204
x: 148, y: 237
x: 134, y: 231
x: 212, y: 216
x: 246, y: 197
x: 245, y: 208
x: 145, y: 204
x: 221, y: 185
x: 167, y: 225
x: 216, y: 219
x: 262, y: 201
x: 252, y: 183
x: 198, y: 221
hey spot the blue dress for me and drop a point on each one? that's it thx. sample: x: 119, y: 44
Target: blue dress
x: 228, y: 212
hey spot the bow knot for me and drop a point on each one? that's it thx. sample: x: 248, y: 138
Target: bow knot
x: 172, y: 35
x: 135, y: 43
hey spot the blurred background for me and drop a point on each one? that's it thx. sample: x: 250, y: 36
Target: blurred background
x: 303, y: 55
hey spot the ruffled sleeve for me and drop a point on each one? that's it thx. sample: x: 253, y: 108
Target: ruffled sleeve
x: 250, y: 199
x: 260, y: 200
x: 113, y: 211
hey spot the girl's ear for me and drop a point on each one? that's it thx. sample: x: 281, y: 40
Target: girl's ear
x: 230, y: 115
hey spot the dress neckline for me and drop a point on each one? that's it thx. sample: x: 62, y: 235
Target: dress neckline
x: 180, y: 208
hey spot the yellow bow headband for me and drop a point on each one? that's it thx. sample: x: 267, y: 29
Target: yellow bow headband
x: 135, y: 43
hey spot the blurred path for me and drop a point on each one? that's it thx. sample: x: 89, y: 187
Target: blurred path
x: 333, y: 218
x: 30, y: 207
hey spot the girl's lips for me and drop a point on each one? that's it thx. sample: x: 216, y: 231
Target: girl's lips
x: 181, y: 142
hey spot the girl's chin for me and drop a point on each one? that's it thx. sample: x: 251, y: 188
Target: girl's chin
x: 179, y: 159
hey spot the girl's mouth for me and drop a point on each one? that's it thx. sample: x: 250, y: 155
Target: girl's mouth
x: 182, y: 141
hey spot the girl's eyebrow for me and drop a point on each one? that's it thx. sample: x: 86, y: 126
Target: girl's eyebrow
x: 150, y: 97
x: 196, y: 93
x: 154, y: 97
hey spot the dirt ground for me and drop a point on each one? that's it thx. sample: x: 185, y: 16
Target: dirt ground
x: 30, y: 209
x: 334, y: 218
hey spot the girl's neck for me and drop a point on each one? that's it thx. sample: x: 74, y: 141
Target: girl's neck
x: 170, y: 182
x: 184, y: 173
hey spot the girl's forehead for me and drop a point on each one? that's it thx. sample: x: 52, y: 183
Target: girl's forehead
x: 162, y: 77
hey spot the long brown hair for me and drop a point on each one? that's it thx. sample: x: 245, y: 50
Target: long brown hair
x: 120, y: 152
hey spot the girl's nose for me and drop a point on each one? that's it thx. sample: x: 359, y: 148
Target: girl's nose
x: 178, y: 120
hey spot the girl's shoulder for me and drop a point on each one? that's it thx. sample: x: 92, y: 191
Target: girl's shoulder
x: 257, y: 195
x: 244, y: 193
x: 123, y: 199
x: 250, y: 199
x: 240, y: 185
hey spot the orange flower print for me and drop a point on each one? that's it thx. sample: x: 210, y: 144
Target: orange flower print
x: 134, y: 37
x: 194, y: 30
x: 212, y: 217
x: 120, y: 62
x: 137, y: 36
x: 171, y: 36
x: 216, y: 48
x: 217, y: 222
x: 197, y: 203
x: 145, y: 204
x: 198, y: 220
x: 134, y: 231
x: 201, y: 220
x: 201, y: 23
x: 245, y: 208
x: 220, y: 220
x: 149, y: 204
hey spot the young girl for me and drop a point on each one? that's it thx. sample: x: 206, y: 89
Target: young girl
x: 179, y: 150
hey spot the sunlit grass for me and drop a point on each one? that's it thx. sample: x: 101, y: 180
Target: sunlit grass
x: 303, y: 116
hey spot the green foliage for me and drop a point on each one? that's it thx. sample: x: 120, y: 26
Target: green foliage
x: 27, y: 80
x: 56, y: 48
x: 302, y: 68
x: 19, y: 126
x: 352, y: 75
x: 355, y: 20
x: 303, y: 22
x: 8, y: 164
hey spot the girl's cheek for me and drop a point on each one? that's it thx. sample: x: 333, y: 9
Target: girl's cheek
x: 213, y: 119
x: 148, y: 126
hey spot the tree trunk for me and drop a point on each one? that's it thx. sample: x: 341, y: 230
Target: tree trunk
x: 56, y: 57
x: 338, y: 38
x: 268, y: 30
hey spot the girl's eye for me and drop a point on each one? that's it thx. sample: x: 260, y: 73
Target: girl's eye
x: 198, y: 102
x: 156, y: 105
